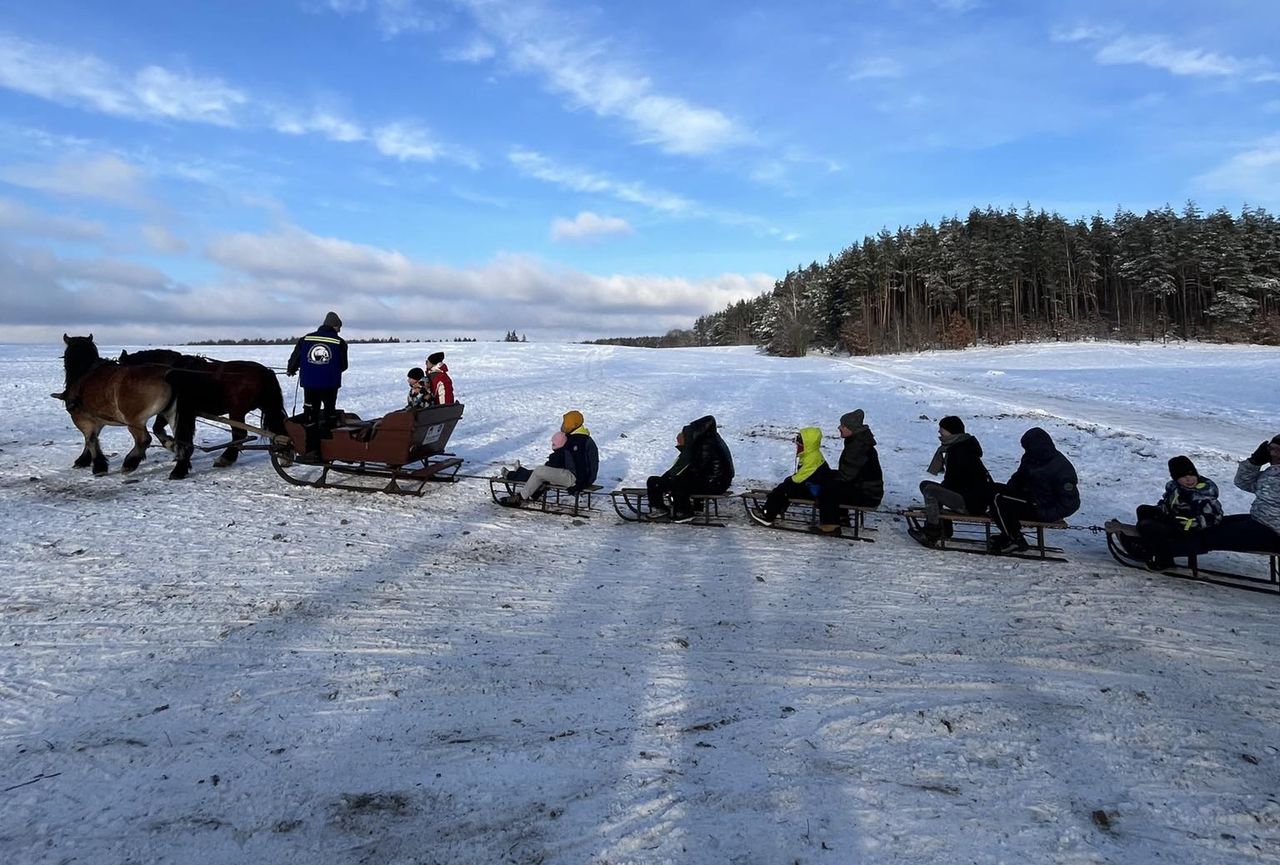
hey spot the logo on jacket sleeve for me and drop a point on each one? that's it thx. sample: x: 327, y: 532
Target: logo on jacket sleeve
x: 319, y: 354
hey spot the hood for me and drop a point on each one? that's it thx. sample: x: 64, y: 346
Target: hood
x: 810, y: 456
x: 695, y: 430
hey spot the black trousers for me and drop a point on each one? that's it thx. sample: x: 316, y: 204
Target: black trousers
x: 1241, y: 532
x: 1164, y: 536
x: 834, y: 494
x: 679, y: 488
x: 319, y: 408
x: 1009, y: 511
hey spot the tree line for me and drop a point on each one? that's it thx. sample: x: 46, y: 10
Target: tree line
x: 1000, y: 276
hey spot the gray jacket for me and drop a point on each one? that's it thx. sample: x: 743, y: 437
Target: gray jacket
x: 1265, y: 486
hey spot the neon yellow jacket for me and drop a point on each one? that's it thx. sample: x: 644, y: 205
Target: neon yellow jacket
x: 810, y: 457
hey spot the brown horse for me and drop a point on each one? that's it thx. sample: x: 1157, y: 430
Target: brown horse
x: 102, y: 393
x: 218, y: 387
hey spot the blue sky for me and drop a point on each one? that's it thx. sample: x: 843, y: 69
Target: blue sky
x: 463, y: 167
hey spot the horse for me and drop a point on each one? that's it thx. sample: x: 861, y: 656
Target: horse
x: 101, y: 392
x: 219, y: 387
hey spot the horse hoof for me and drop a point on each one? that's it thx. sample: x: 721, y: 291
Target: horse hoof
x: 99, y: 473
x: 221, y: 463
x: 177, y: 474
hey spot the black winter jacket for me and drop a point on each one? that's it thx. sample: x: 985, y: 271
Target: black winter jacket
x: 582, y: 458
x: 1045, y: 478
x: 705, y: 455
x: 967, y: 475
x: 859, y: 466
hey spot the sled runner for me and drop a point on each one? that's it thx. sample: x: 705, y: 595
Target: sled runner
x: 971, y: 533
x: 399, y: 453
x: 1128, y: 549
x: 801, y: 515
x: 554, y: 499
x: 632, y: 504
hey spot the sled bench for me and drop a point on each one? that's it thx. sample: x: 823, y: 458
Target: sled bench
x: 801, y: 515
x: 1193, y: 571
x: 632, y: 504
x: 976, y: 542
x: 555, y: 498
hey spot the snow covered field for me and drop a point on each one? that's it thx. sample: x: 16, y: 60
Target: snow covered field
x: 232, y: 670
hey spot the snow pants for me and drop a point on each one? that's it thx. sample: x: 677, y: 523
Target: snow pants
x: 543, y: 475
x: 937, y: 497
x: 1241, y: 532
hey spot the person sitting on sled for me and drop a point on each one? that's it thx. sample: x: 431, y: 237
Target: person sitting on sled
x: 857, y: 480
x: 418, y: 395
x: 966, y: 483
x: 1044, y: 488
x: 1258, y: 530
x: 439, y: 385
x: 811, y: 473
x: 573, y: 463
x: 704, y: 467
x: 1175, y: 526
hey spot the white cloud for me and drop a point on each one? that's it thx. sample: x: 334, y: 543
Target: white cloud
x: 590, y: 75
x: 278, y: 281
x: 877, y: 67
x: 326, y: 123
x: 588, y: 226
x: 106, y: 178
x: 1113, y: 48
x: 162, y: 239
x: 84, y: 81
x: 404, y: 141
x: 16, y: 218
x: 536, y: 165
x: 1253, y: 174
x: 475, y: 50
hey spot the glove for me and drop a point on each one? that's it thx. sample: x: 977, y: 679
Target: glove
x: 291, y: 373
x: 1188, y: 523
x: 1262, y: 455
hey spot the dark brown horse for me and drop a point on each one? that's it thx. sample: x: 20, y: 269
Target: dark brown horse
x: 102, y: 393
x: 218, y: 387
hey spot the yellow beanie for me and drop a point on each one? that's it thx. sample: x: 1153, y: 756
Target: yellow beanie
x: 572, y: 420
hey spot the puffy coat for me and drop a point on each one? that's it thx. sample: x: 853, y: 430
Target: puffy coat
x: 704, y: 455
x: 441, y: 385
x: 1045, y: 478
x: 1199, y: 504
x: 582, y: 458
x: 810, y: 458
x: 322, y: 358
x: 966, y: 474
x: 1265, y: 486
x: 859, y: 467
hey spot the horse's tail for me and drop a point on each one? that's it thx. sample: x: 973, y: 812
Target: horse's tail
x: 271, y: 403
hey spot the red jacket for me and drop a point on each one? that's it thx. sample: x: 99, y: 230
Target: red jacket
x: 441, y: 385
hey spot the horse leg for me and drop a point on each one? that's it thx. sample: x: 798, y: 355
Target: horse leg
x: 92, y: 453
x: 184, y: 434
x: 86, y: 456
x: 99, y: 458
x: 229, y: 456
x: 140, y: 442
x: 166, y: 441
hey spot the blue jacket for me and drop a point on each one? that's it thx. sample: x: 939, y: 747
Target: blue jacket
x: 322, y: 357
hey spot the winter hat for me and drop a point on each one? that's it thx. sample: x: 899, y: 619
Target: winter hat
x: 1036, y: 438
x: 571, y: 421
x: 1179, y: 466
x: 417, y: 374
x: 558, y: 441
x: 853, y: 419
x: 951, y: 424
x: 332, y: 320
x: 436, y: 358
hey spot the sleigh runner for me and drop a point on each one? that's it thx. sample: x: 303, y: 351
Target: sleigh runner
x: 1126, y: 547
x: 971, y: 533
x: 634, y: 506
x: 553, y: 499
x: 801, y: 515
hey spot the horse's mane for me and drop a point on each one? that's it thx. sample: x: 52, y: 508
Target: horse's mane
x: 80, y: 356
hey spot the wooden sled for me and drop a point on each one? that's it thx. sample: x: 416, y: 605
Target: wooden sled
x: 972, y: 534
x: 555, y: 499
x: 632, y: 504
x: 1117, y: 530
x: 801, y: 515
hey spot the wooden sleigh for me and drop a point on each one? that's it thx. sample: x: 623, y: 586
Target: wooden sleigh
x: 971, y: 533
x: 1126, y: 553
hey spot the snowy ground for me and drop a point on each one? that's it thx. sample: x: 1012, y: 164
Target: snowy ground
x: 231, y: 670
